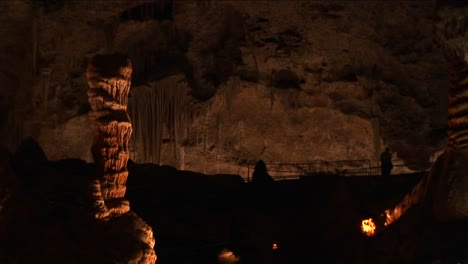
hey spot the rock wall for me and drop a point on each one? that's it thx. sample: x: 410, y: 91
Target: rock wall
x: 71, y: 137
x: 368, y: 66
x: 254, y: 129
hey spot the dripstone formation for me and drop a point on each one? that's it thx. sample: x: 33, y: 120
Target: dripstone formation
x: 109, y: 78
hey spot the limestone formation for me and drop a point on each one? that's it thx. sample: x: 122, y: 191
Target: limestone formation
x: 109, y: 78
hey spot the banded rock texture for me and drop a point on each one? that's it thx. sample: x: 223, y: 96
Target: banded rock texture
x: 451, y: 201
x: 109, y: 78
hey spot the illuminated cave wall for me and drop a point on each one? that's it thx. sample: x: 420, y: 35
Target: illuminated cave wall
x: 161, y: 113
x: 287, y: 81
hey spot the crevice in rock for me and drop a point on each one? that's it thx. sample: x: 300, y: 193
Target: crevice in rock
x: 49, y: 5
x: 285, y: 78
x: 157, y: 10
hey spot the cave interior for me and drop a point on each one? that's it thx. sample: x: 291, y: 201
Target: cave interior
x: 315, y: 89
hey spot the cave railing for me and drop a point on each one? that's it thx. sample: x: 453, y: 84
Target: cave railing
x: 363, y: 167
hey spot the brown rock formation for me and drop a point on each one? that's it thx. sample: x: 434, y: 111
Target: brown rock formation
x: 385, y: 71
x: 109, y: 78
x: 109, y: 82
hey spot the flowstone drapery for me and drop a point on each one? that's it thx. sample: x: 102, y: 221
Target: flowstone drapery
x: 155, y: 107
x: 163, y: 110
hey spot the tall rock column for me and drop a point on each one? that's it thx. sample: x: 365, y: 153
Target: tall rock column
x: 109, y: 79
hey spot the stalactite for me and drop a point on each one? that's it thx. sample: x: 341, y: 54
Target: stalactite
x: 292, y: 99
x: 455, y: 26
x: 177, y: 118
x: 272, y: 97
x: 15, y: 129
x: 240, y: 126
x: 157, y: 106
x: 230, y: 91
x: 181, y: 160
x: 35, y: 42
x: 218, y: 136
x: 248, y: 40
x: 205, y: 139
x: 45, y: 77
x: 197, y: 139
x: 159, y: 120
x: 218, y: 128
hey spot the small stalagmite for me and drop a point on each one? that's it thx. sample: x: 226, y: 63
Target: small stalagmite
x: 109, y: 78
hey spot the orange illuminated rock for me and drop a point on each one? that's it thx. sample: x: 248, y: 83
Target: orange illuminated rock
x: 109, y: 78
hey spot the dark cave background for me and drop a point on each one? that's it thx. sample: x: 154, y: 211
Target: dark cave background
x: 284, y: 81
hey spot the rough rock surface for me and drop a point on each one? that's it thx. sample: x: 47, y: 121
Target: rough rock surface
x: 73, y: 139
x: 222, y: 140
x: 379, y: 61
x: 109, y: 78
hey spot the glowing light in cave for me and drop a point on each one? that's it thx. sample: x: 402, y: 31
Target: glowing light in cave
x: 392, y: 216
x: 274, y: 246
x: 368, y: 227
x: 227, y: 257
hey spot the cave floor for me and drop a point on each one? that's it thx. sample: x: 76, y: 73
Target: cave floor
x: 312, y: 220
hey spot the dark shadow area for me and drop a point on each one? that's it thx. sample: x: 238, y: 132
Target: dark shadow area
x: 207, y: 56
x: 452, y: 3
x: 315, y: 219
x: 49, y: 5
x: 157, y: 10
x: 285, y: 78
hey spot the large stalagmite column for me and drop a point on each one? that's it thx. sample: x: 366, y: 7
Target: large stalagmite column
x: 109, y: 78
